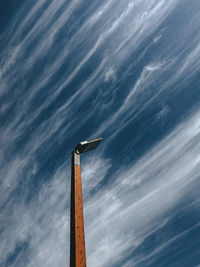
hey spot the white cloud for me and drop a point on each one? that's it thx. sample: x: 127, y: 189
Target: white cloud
x: 93, y: 173
x: 43, y: 224
x: 138, y: 199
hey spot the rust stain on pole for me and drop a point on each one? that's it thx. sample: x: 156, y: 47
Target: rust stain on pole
x: 77, y: 238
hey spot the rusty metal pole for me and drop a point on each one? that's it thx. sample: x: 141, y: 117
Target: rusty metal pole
x: 77, y: 237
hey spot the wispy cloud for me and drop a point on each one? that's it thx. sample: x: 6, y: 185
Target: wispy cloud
x: 139, y: 198
x: 43, y: 224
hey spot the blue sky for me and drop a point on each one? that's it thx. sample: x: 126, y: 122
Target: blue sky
x: 127, y: 71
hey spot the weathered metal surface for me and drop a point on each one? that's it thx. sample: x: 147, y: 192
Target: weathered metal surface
x: 77, y: 242
x: 76, y: 159
x: 79, y: 223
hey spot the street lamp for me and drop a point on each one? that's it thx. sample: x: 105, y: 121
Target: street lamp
x: 77, y: 240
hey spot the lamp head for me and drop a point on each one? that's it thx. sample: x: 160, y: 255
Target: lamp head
x: 86, y: 146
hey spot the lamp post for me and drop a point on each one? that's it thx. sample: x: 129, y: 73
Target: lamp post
x: 77, y: 239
